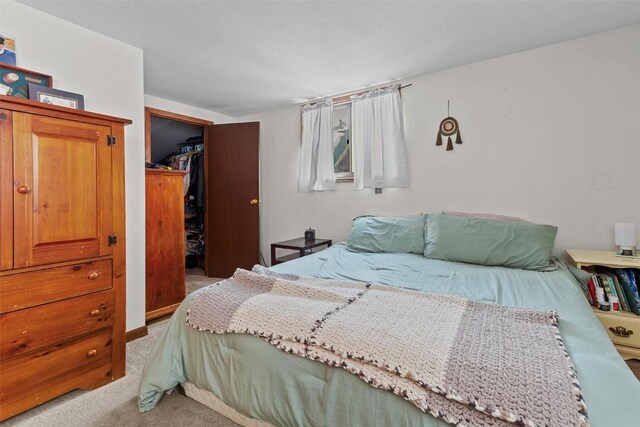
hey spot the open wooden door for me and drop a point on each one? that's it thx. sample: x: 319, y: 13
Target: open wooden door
x: 232, y: 222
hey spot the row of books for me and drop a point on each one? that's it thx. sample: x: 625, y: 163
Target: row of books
x: 615, y: 289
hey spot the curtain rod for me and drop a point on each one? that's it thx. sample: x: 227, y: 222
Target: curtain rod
x: 346, y: 97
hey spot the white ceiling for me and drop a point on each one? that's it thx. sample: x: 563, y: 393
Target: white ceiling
x: 240, y: 57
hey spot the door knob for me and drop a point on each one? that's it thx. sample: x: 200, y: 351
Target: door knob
x: 254, y: 201
x: 24, y: 189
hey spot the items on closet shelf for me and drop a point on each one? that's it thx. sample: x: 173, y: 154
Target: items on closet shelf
x: 191, y: 160
x: 149, y: 165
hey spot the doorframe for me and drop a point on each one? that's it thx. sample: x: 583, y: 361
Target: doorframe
x: 154, y: 112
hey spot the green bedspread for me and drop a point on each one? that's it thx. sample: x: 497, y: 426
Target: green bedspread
x: 265, y: 383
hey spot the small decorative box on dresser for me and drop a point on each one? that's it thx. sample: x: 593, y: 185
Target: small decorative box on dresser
x: 62, y: 252
x: 622, y: 327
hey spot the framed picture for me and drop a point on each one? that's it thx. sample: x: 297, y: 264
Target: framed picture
x: 15, y: 81
x: 7, y: 49
x: 56, y: 97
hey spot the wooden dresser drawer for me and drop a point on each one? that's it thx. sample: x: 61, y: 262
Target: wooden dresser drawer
x: 33, y: 328
x: 623, y: 328
x: 33, y: 379
x: 18, y: 291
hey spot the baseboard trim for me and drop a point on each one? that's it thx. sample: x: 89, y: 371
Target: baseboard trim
x: 161, y: 312
x: 136, y: 333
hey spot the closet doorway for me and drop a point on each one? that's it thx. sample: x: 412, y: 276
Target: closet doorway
x: 220, y: 201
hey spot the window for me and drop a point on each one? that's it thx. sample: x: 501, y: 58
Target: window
x: 327, y: 153
x: 342, y: 159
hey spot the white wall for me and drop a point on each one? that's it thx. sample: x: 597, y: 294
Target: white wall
x: 109, y: 74
x: 543, y: 130
x: 187, y: 110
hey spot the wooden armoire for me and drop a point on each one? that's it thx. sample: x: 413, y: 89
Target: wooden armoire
x: 62, y: 252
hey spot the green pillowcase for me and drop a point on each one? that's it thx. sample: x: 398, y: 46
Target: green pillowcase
x: 387, y: 234
x: 489, y: 242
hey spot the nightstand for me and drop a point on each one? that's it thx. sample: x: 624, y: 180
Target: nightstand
x: 622, y: 327
x: 302, y: 246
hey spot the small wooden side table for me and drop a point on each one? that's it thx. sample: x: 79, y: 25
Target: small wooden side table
x: 304, y: 247
x: 584, y: 258
x: 627, y: 343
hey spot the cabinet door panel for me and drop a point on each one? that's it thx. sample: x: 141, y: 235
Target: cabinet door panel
x: 62, y: 190
x: 165, y: 279
x: 6, y: 190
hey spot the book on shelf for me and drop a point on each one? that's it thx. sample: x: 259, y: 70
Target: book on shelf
x: 607, y: 281
x: 602, y: 283
x: 622, y: 297
x: 626, y: 278
x: 592, y: 292
x: 619, y: 283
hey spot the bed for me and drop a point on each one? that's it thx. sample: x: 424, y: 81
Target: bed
x: 265, y: 384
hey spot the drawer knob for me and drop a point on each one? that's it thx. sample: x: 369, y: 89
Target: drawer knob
x: 24, y: 189
x: 93, y: 275
x: 94, y: 313
x: 621, y: 331
x: 92, y: 353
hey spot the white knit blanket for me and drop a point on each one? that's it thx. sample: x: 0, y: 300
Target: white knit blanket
x: 466, y: 362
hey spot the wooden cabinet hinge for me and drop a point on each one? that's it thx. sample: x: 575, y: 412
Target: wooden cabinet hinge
x: 111, y: 140
x: 113, y: 239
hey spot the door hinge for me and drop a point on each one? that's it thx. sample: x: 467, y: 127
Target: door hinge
x: 113, y: 239
x: 111, y: 140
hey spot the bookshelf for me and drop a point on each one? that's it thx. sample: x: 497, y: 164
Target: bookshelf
x: 622, y: 327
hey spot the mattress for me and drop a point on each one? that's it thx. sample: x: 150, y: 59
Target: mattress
x: 263, y: 383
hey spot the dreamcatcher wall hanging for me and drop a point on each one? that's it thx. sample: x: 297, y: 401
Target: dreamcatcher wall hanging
x: 448, y: 127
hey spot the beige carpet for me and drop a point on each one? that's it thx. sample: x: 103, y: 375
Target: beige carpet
x: 196, y: 279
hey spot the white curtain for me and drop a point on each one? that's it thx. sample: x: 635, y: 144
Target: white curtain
x: 379, y: 150
x: 316, y: 154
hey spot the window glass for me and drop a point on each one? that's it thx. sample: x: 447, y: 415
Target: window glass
x: 342, y: 141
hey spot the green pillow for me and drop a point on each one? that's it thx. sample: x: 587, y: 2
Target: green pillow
x: 489, y: 242
x: 387, y: 234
